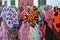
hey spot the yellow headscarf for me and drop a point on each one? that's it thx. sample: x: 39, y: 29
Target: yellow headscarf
x: 33, y: 17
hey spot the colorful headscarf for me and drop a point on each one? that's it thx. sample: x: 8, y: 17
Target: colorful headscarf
x: 24, y: 30
x: 48, y: 7
x: 11, y: 18
x: 29, y: 8
x: 56, y: 23
x: 33, y: 17
x: 56, y: 20
x: 41, y: 15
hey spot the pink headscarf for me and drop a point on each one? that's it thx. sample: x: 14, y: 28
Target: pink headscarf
x: 49, y: 7
x: 29, y: 8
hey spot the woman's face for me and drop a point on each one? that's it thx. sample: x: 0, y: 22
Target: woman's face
x: 30, y: 9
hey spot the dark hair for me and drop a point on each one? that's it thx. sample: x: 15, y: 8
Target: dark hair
x: 35, y: 8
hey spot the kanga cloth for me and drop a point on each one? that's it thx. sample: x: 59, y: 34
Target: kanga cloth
x: 3, y: 31
x: 33, y: 18
x: 40, y: 15
x: 56, y: 23
x: 42, y: 29
x: 34, y: 33
x: 11, y: 18
x: 24, y: 29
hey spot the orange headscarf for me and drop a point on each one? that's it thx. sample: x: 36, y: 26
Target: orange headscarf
x: 33, y: 17
x: 56, y: 20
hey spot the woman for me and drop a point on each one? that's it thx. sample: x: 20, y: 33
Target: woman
x: 34, y: 30
x: 12, y: 23
x: 24, y: 29
x: 41, y: 15
x: 4, y: 30
x: 48, y: 23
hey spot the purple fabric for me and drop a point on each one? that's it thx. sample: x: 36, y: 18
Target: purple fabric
x: 3, y: 31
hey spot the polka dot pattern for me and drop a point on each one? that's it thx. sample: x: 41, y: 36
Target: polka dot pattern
x: 56, y: 14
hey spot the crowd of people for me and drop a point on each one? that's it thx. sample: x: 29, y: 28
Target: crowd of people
x: 30, y: 23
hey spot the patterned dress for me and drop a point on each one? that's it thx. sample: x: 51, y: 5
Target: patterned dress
x: 3, y: 29
x: 42, y: 27
x: 12, y: 23
x: 34, y: 27
x: 34, y: 33
x: 24, y: 30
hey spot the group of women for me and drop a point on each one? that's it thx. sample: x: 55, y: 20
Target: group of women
x: 30, y: 23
